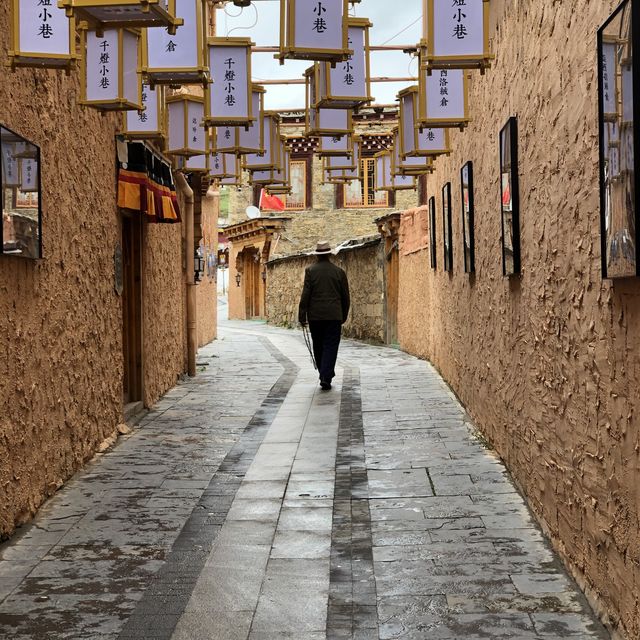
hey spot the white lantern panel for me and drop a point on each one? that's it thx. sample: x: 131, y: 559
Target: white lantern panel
x: 432, y: 140
x: 102, y: 66
x: 196, y: 162
x: 257, y: 159
x: 180, y: 50
x: 10, y: 168
x: 228, y: 94
x: 197, y: 133
x: 445, y: 95
x: 403, y: 181
x: 407, y: 130
x: 609, y: 79
x: 333, y: 119
x: 458, y: 30
x: 176, y: 125
x: 627, y: 94
x: 43, y: 29
x: 251, y: 138
x: 349, y: 78
x: 337, y: 162
x: 28, y: 174
x: 147, y: 120
x: 380, y: 172
x: 225, y: 138
x: 335, y: 144
x: 318, y: 24
x: 130, y: 62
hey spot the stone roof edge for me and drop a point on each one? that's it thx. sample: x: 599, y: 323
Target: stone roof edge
x: 348, y: 245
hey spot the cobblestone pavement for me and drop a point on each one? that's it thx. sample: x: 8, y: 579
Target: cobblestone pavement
x: 250, y: 504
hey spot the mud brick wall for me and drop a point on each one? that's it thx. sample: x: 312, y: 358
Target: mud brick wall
x: 61, y: 369
x: 547, y: 363
x: 363, y: 266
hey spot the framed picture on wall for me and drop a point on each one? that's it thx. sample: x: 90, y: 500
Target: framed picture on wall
x: 466, y: 193
x: 510, y: 198
x: 432, y: 232
x: 446, y: 227
x: 618, y: 82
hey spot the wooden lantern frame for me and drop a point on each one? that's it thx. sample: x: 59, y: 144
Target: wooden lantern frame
x: 185, y: 99
x: 413, y: 92
x: 423, y: 122
x: 325, y: 153
x: 121, y: 103
x: 111, y: 14
x: 229, y: 166
x: 288, y: 48
x: 384, y: 170
x: 198, y: 74
x: 24, y: 58
x: 158, y: 134
x: 323, y: 70
x: 429, y: 60
x: 320, y: 129
x: 211, y: 119
x: 274, y: 147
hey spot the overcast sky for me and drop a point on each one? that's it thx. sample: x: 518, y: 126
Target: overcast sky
x: 388, y: 19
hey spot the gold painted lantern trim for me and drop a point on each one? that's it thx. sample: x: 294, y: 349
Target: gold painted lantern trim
x: 223, y: 165
x: 110, y: 80
x: 41, y: 36
x: 347, y: 85
x: 443, y: 99
x: 187, y: 136
x: 314, y: 30
x: 149, y: 123
x: 229, y: 98
x: 414, y: 141
x: 457, y: 36
x: 178, y: 58
x: 409, y: 166
x: 385, y: 180
x: 270, y: 157
x: 109, y: 14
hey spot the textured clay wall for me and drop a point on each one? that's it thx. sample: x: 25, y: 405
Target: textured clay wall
x: 60, y: 318
x: 547, y: 363
x: 363, y: 267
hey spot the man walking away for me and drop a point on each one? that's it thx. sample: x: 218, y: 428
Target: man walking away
x: 324, y: 304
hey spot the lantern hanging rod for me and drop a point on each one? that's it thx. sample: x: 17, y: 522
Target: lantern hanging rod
x: 302, y: 80
x: 375, y: 47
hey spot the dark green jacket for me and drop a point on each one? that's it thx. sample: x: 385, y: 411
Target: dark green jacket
x: 325, y: 295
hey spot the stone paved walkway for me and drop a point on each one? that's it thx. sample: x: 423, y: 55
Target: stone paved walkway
x: 249, y: 504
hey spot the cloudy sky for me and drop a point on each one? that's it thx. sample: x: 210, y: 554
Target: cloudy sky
x: 261, y: 22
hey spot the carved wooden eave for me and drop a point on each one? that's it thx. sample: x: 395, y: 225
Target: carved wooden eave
x: 389, y: 225
x: 254, y: 228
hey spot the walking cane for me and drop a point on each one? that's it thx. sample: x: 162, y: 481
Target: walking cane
x: 307, y: 341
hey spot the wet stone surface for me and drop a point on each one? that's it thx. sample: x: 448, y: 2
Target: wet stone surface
x: 250, y: 505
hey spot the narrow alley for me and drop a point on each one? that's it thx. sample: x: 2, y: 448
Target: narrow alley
x: 248, y: 503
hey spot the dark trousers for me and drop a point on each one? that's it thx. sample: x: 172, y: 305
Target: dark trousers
x: 326, y: 340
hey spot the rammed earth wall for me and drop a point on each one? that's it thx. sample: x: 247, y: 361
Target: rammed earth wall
x: 547, y: 363
x: 363, y: 266
x: 61, y: 370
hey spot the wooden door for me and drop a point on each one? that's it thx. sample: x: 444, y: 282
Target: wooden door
x: 393, y: 284
x: 132, y: 308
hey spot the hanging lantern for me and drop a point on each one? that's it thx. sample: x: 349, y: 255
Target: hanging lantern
x: 29, y: 175
x: 187, y: 136
x: 242, y: 140
x: 443, y: 99
x: 11, y: 164
x: 110, y: 14
x: 41, y: 35
x: 414, y: 165
x: 328, y: 122
x: 109, y: 70
x: 177, y: 58
x: 414, y: 141
x: 347, y: 85
x: 147, y: 124
x: 314, y: 30
x: 457, y: 36
x: 229, y: 97
x: 194, y: 164
x: 222, y: 165
x: 235, y: 181
x: 335, y: 146
x: 269, y: 158
x: 341, y: 176
x: 385, y: 180
x: 279, y: 176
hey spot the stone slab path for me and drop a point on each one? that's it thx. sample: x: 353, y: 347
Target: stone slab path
x: 249, y: 504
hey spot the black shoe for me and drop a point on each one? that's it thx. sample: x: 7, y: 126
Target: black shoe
x: 324, y: 385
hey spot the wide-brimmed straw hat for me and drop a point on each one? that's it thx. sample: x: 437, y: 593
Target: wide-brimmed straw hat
x: 323, y: 248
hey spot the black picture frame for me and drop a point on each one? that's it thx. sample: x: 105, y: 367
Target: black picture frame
x: 432, y: 232
x: 447, y: 232
x: 20, y: 196
x: 468, y: 212
x: 510, y: 198
x: 618, y: 109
